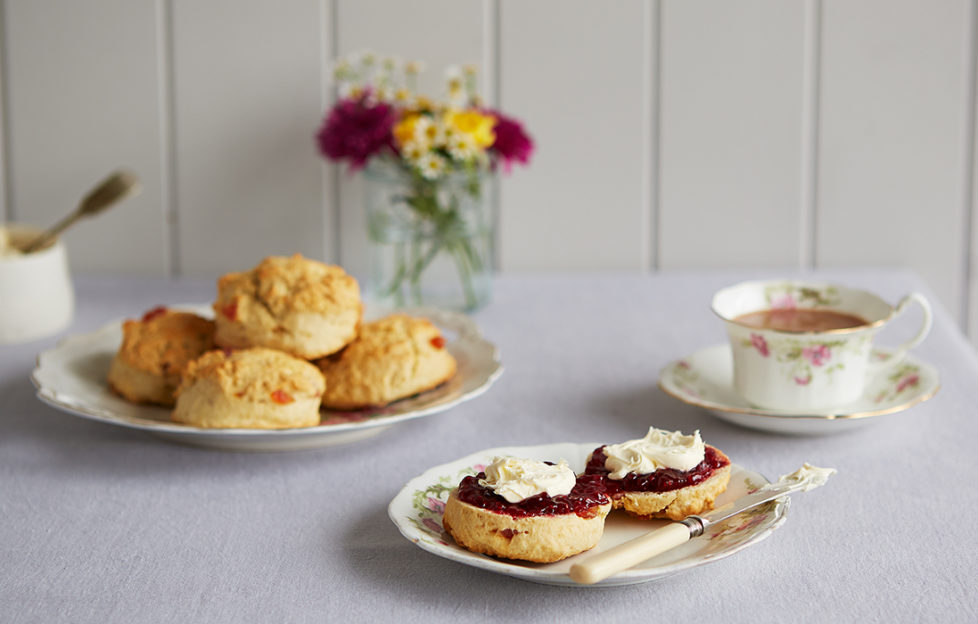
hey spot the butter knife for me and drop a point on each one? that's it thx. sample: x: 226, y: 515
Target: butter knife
x: 622, y: 557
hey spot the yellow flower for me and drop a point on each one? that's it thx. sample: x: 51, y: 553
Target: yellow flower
x: 474, y: 124
x: 404, y: 130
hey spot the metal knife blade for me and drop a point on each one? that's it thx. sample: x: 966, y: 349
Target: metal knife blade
x: 806, y: 478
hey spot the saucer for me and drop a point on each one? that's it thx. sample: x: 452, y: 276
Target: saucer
x: 418, y: 508
x: 705, y: 379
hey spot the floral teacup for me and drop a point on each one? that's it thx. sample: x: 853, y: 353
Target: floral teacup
x: 805, y: 371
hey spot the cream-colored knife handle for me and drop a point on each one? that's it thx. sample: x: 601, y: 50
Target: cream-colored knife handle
x: 630, y: 553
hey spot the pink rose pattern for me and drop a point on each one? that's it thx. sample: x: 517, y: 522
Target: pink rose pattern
x: 760, y: 344
x: 784, y: 302
x: 910, y: 381
x: 817, y: 355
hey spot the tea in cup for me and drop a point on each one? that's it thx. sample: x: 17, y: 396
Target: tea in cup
x: 805, y: 347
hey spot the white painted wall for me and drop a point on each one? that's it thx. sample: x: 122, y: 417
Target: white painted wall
x: 671, y: 134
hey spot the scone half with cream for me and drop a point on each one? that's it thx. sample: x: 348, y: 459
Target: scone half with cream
x: 253, y: 388
x: 664, y: 475
x: 527, y: 510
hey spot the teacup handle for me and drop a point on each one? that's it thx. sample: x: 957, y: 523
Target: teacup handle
x: 928, y: 320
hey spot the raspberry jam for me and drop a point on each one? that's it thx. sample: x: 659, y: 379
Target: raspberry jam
x: 662, y: 480
x: 583, y: 500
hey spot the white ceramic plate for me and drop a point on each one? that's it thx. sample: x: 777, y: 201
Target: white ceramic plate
x: 418, y: 508
x: 71, y: 377
x: 705, y: 379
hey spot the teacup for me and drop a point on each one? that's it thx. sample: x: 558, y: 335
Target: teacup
x: 787, y: 360
x: 36, y: 297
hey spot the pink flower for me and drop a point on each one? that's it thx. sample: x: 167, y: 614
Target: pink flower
x: 479, y: 468
x: 816, y: 355
x: 803, y: 381
x: 435, y: 505
x: 512, y: 142
x: 784, y: 302
x: 909, y: 380
x: 760, y: 344
x: 432, y: 525
x: 356, y: 129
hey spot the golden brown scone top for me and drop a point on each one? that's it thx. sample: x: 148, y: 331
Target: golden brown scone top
x: 396, y: 335
x: 164, y: 341
x: 286, y: 285
x: 257, y: 375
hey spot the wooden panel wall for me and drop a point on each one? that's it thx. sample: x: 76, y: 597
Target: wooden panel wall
x: 671, y: 134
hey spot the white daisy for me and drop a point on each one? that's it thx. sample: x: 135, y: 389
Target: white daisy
x: 403, y: 97
x: 427, y: 132
x: 462, y: 147
x: 431, y: 166
x: 413, y: 152
x: 384, y: 93
x: 414, y: 67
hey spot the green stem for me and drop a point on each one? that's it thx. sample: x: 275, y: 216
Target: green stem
x: 422, y: 263
x: 462, y: 251
x: 394, y: 288
x: 415, y: 278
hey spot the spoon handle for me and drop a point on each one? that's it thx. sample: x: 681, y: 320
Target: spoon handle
x: 111, y: 190
x: 50, y: 234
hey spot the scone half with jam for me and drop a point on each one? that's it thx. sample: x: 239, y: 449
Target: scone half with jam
x: 663, y: 475
x: 527, y: 510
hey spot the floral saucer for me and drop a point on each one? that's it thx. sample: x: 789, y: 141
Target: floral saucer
x: 417, y: 511
x: 705, y: 379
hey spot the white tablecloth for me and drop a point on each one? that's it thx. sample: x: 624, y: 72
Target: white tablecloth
x: 104, y: 524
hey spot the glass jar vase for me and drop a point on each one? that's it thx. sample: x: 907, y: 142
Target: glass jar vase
x: 430, y: 239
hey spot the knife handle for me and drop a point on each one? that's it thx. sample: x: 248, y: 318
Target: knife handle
x: 630, y: 553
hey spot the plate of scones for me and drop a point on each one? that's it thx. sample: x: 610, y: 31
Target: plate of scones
x: 532, y: 512
x: 285, y: 358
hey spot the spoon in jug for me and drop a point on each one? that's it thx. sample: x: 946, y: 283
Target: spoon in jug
x: 111, y: 190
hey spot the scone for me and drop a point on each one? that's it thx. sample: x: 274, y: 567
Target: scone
x: 527, y: 510
x: 253, y: 388
x: 663, y: 475
x: 296, y: 305
x: 393, y: 358
x: 155, y: 351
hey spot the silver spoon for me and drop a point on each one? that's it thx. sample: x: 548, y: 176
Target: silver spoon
x: 111, y: 190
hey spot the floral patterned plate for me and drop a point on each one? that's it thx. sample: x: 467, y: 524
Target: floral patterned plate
x: 71, y: 377
x: 418, y: 508
x: 705, y: 379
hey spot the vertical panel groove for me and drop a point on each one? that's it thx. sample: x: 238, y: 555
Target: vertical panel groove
x: 491, y: 55
x: 167, y: 129
x: 968, y: 199
x: 808, y: 235
x: 652, y: 85
x: 331, y: 184
x: 6, y: 177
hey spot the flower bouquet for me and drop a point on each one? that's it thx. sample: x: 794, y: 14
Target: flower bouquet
x: 426, y: 164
